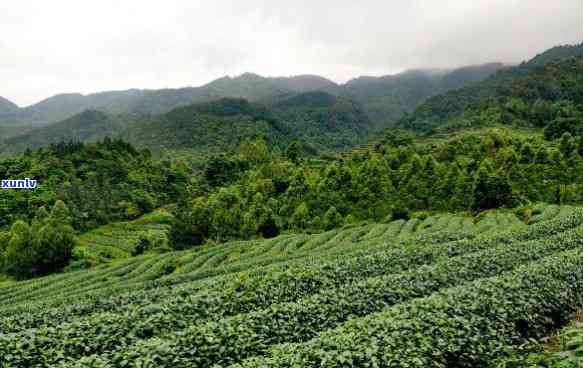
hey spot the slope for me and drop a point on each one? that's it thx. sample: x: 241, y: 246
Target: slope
x: 387, y: 98
x: 145, y: 102
x: 315, y: 295
x: 90, y: 125
x: 439, y: 110
x: 7, y: 106
x: 206, y: 128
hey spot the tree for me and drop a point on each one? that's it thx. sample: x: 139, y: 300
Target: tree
x: 221, y: 170
x: 332, y: 219
x: 556, y: 128
x: 190, y: 224
x: 293, y: 152
x: 398, y: 138
x: 301, y: 216
x: 490, y: 190
x: 268, y: 228
x: 568, y: 145
x: 42, y: 248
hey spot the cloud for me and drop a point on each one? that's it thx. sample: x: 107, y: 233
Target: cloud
x: 88, y: 46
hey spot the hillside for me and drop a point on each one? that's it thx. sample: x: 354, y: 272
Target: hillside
x: 324, y: 121
x: 88, y: 126
x: 205, y: 129
x: 398, y: 93
x: 556, y: 53
x: 387, y: 98
x: 500, y: 93
x: 64, y: 106
x: 100, y: 182
x: 153, y: 102
x: 7, y: 106
x: 297, y: 300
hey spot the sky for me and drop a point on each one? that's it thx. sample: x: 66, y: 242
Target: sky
x: 86, y: 46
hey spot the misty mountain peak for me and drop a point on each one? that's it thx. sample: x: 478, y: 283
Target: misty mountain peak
x: 7, y: 106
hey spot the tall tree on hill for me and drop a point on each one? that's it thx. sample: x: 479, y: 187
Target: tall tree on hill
x: 491, y: 190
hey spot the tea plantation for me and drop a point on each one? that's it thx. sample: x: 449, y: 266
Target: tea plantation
x: 445, y: 291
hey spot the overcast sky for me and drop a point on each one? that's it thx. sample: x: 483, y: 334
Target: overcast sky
x: 50, y: 47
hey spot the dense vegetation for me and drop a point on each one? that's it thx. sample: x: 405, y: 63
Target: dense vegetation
x: 384, y: 99
x: 466, y: 172
x: 387, y: 98
x: 43, y: 247
x: 99, y: 182
x: 88, y: 126
x: 305, y: 299
x: 535, y: 93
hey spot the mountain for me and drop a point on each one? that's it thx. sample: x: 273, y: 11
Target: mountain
x: 326, y: 121
x: 555, y: 54
x: 154, y: 102
x: 387, y: 98
x: 440, y: 110
x: 206, y: 128
x: 433, y: 96
x: 7, y: 106
x: 384, y: 98
x: 248, y: 86
x: 90, y: 125
x: 527, y: 95
x: 461, y: 77
x: 308, y: 83
x: 323, y: 120
x: 64, y: 106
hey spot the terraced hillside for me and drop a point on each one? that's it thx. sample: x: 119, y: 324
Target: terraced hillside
x: 443, y: 291
x: 118, y: 239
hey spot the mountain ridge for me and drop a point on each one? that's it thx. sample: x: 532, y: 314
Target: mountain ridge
x: 250, y: 86
x: 7, y: 106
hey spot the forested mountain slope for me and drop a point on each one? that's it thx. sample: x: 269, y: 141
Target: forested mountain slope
x: 99, y: 182
x: 145, y: 102
x: 399, y: 93
x: 387, y: 98
x: 551, y: 78
x: 322, y: 121
x: 208, y: 128
x: 90, y: 125
x: 7, y: 106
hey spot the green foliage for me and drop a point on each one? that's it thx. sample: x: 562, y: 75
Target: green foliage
x: 556, y: 128
x: 536, y: 94
x: 99, y: 182
x: 345, y: 287
x: 386, y: 99
x: 332, y: 219
x: 151, y: 241
x: 397, y: 138
x: 41, y: 248
x: 88, y: 126
x: 491, y: 190
x: 493, y: 169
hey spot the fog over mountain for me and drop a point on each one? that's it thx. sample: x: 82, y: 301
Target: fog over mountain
x: 47, y: 48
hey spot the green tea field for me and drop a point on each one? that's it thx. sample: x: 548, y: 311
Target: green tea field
x: 447, y: 291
